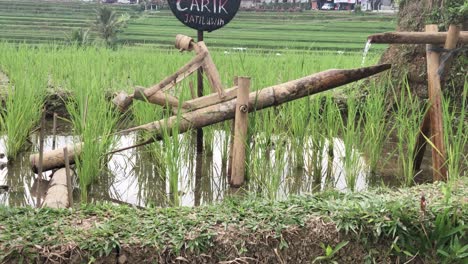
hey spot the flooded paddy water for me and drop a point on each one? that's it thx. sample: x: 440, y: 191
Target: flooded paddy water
x: 136, y: 177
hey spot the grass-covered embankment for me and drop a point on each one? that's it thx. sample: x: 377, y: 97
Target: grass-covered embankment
x: 382, y: 225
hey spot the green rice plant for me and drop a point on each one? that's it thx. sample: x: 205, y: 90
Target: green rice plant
x: 94, y: 120
x: 171, y: 144
x: 456, y: 135
x: 332, y: 124
x: 408, y: 117
x: 24, y: 101
x: 299, y: 116
x: 318, y: 132
x: 374, y: 127
x: 350, y: 133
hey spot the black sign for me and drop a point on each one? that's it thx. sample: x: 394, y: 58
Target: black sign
x: 205, y: 15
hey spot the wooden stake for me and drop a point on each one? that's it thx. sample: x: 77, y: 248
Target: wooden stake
x: 420, y: 148
x: 231, y: 142
x: 54, y: 131
x: 435, y: 111
x: 211, y: 71
x: 240, y: 132
x: 41, y: 157
x: 68, y: 174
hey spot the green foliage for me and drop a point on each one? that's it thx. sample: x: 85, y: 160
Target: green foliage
x: 108, y: 23
x: 330, y: 253
x: 79, y: 37
x: 25, y: 96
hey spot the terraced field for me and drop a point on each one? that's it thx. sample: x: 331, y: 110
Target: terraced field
x: 49, y: 21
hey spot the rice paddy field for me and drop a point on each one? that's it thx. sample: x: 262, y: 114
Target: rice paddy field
x: 346, y: 139
x: 53, y: 22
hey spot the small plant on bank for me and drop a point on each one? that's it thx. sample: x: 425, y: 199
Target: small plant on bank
x: 329, y: 253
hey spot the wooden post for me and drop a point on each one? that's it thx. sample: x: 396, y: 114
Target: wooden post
x: 200, y: 94
x: 240, y: 132
x: 41, y: 157
x: 69, y: 181
x: 435, y: 110
x: 420, y: 148
x: 54, y: 131
x: 231, y: 142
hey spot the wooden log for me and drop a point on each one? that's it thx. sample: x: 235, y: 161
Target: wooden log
x: 212, y: 99
x: 57, y: 192
x: 424, y: 132
x: 173, y: 79
x: 122, y: 100
x: 266, y: 97
x: 240, y: 133
x: 54, y: 159
x: 435, y: 111
x: 415, y: 37
x: 162, y: 99
x: 209, y: 68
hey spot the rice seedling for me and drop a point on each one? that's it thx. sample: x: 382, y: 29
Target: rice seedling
x: 94, y: 120
x: 24, y: 98
x: 408, y: 117
x: 317, y: 136
x: 350, y: 134
x: 374, y: 127
x: 456, y: 135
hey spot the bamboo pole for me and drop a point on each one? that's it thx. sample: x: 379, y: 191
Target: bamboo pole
x: 54, y: 159
x: 266, y: 97
x: 231, y: 138
x: 68, y: 175
x: 435, y: 111
x: 415, y: 37
x: 54, y: 131
x: 420, y: 148
x: 40, y: 157
x: 240, y: 133
x: 57, y: 192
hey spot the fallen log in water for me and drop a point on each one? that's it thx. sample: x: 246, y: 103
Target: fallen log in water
x: 54, y: 159
x: 266, y: 97
x: 415, y: 37
x: 57, y: 193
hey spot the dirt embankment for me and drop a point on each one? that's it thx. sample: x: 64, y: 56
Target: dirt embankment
x: 410, y: 60
x: 383, y: 226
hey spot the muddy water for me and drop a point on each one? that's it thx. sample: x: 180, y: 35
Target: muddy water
x: 135, y: 177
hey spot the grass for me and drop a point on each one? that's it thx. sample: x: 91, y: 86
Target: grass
x: 390, y: 218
